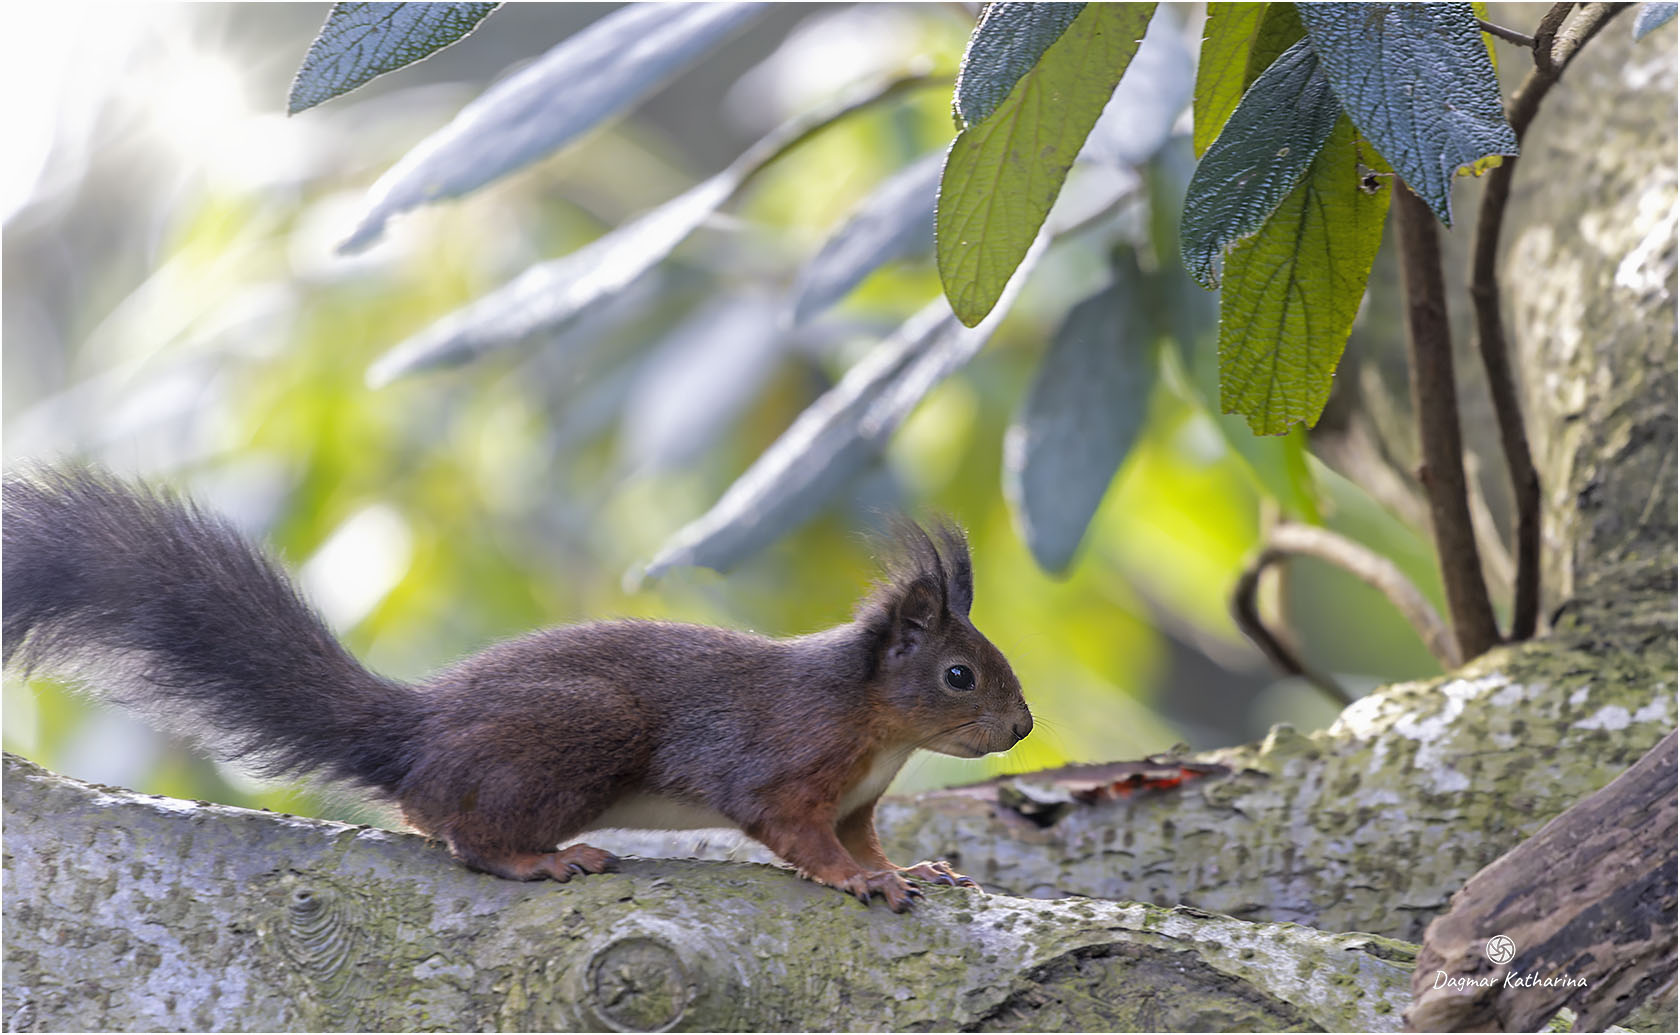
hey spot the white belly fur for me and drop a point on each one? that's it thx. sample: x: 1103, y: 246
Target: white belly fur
x: 653, y: 812
x: 874, y: 782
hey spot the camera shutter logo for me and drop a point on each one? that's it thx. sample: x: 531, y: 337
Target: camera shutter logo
x: 1501, y: 950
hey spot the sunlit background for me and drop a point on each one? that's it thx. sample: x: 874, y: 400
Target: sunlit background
x: 174, y: 308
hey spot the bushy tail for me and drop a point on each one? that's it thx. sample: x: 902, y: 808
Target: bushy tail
x: 152, y: 602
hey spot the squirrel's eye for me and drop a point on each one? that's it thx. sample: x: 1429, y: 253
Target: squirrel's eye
x: 959, y: 677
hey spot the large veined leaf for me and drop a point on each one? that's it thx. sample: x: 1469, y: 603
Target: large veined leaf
x: 1003, y: 173
x: 1007, y: 42
x: 1189, y: 316
x: 1292, y: 290
x: 1238, y: 43
x: 895, y: 220
x: 361, y: 41
x: 835, y: 439
x: 1227, y: 39
x: 1416, y: 80
x: 1265, y: 148
x: 586, y: 79
x: 1079, y: 420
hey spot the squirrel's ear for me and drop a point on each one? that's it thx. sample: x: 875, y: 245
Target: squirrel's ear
x: 914, y: 615
x: 959, y: 594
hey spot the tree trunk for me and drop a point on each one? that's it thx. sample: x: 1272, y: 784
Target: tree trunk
x: 127, y: 912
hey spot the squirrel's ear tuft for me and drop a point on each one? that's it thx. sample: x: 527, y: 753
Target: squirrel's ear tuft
x: 927, y: 577
x: 959, y: 568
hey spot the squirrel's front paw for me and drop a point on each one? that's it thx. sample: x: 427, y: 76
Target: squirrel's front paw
x: 939, y: 871
x: 897, y: 891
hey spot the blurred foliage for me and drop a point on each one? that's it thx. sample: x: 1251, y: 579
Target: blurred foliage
x: 174, y: 308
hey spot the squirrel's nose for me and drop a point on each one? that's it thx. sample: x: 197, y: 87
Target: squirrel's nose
x: 1022, y: 728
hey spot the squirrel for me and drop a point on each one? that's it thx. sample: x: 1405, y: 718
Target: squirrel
x: 166, y: 608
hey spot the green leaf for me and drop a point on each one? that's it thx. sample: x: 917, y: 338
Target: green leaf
x: 1291, y: 291
x: 1007, y: 42
x: 1189, y: 317
x: 1265, y: 148
x: 361, y: 41
x: 1239, y: 42
x: 579, y: 83
x: 1004, y: 172
x: 1417, y: 82
x: 1081, y: 416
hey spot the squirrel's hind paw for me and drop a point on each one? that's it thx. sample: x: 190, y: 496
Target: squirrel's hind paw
x: 560, y: 866
x: 577, y: 859
x: 939, y: 872
x: 897, y: 892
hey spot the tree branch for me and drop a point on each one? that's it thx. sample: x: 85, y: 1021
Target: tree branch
x: 129, y: 912
x: 1435, y: 400
x: 1546, y: 32
x: 1490, y: 324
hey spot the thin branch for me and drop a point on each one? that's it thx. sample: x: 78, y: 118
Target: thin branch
x: 1245, y: 611
x: 1435, y: 401
x: 1508, y: 35
x: 1497, y: 566
x: 1546, y: 32
x: 1375, y: 571
x: 1490, y: 324
x: 796, y: 131
x: 1578, y: 30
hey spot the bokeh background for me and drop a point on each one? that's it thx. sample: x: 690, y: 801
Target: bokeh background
x: 173, y: 307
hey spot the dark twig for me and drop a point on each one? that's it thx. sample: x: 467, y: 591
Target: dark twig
x: 1490, y: 326
x: 1292, y: 540
x: 1435, y: 401
x: 1245, y: 611
x: 1509, y: 35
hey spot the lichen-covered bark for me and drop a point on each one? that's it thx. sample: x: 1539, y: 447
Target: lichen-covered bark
x: 127, y: 912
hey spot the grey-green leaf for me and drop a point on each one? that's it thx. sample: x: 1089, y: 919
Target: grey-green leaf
x: 1417, y: 82
x: 1007, y: 42
x: 1080, y: 418
x: 549, y: 296
x: 1265, y: 147
x: 894, y: 221
x: 1651, y: 16
x: 695, y: 383
x: 836, y: 438
x: 819, y: 453
x: 584, y: 80
x: 361, y: 41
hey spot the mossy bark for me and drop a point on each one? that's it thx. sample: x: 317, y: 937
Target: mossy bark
x: 127, y: 912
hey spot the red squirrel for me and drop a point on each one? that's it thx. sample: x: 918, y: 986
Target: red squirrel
x: 504, y: 756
